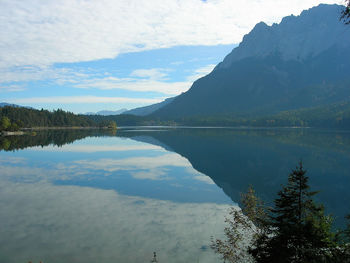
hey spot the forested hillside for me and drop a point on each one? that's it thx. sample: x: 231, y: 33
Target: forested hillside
x: 27, y: 117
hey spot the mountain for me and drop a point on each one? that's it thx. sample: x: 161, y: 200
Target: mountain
x: 143, y: 111
x: 106, y: 112
x: 4, y: 104
x: 299, y: 63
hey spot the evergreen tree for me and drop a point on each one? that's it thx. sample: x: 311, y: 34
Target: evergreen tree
x: 299, y: 231
x: 346, y: 13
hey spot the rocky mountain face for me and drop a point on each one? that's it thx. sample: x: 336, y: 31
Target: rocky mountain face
x: 301, y: 62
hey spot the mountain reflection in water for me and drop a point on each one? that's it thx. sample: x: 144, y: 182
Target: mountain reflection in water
x: 237, y: 158
x: 100, y: 196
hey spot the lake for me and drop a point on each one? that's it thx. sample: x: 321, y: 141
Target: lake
x: 101, y: 196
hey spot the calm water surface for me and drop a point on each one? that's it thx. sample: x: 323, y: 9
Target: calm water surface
x: 87, y: 196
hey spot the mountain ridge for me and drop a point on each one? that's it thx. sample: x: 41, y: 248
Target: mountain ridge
x: 106, y: 112
x: 268, y: 81
x: 146, y: 110
x: 287, y: 39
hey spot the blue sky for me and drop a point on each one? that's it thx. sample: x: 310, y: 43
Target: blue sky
x: 91, y: 55
x: 144, y: 77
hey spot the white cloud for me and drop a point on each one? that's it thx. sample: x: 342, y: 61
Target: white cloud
x: 133, y: 163
x: 204, y: 178
x: 43, y: 222
x: 11, y: 88
x: 140, y: 80
x: 45, y: 32
x: 12, y: 160
x: 155, y: 174
x: 153, y: 80
x: 201, y: 72
x: 33, y: 73
x: 154, y: 73
x: 142, y: 85
x: 84, y: 100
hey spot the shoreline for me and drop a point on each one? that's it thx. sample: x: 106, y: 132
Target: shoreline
x: 63, y: 128
x: 11, y: 133
x: 24, y: 131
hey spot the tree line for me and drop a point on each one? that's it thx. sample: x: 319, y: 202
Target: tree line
x: 14, y: 118
x: 295, y: 230
x: 335, y: 115
x: 330, y: 116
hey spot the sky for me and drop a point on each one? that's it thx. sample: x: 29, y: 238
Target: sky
x: 92, y: 55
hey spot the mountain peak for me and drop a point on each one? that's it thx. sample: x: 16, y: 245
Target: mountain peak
x: 299, y: 63
x: 294, y: 37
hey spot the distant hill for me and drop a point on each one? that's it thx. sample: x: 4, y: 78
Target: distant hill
x: 303, y: 62
x: 106, y: 112
x: 143, y: 111
x: 4, y: 104
x: 25, y: 117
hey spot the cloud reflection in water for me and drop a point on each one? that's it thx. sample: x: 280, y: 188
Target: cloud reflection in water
x: 74, y: 224
x: 46, y: 215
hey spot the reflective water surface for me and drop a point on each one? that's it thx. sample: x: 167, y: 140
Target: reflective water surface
x: 91, y: 196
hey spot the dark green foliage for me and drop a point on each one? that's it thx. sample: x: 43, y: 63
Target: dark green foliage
x: 296, y: 230
x: 299, y: 229
x: 5, y: 123
x: 48, y: 137
x: 27, y: 117
x: 347, y: 230
x: 112, y: 125
x: 346, y: 13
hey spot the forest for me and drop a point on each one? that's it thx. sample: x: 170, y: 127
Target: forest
x: 28, y: 117
x: 331, y: 116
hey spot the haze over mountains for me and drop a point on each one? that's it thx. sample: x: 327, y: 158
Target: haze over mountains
x: 5, y: 104
x: 106, y: 112
x: 146, y: 110
x: 300, y: 63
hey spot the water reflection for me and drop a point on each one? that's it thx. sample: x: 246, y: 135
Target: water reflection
x: 88, y: 196
x: 237, y: 158
x: 232, y: 158
x: 127, y: 166
x: 109, y: 199
x: 79, y: 224
x: 49, y: 137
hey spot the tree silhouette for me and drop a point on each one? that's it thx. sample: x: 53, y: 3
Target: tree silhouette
x: 300, y: 231
x: 346, y: 13
x: 295, y: 230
